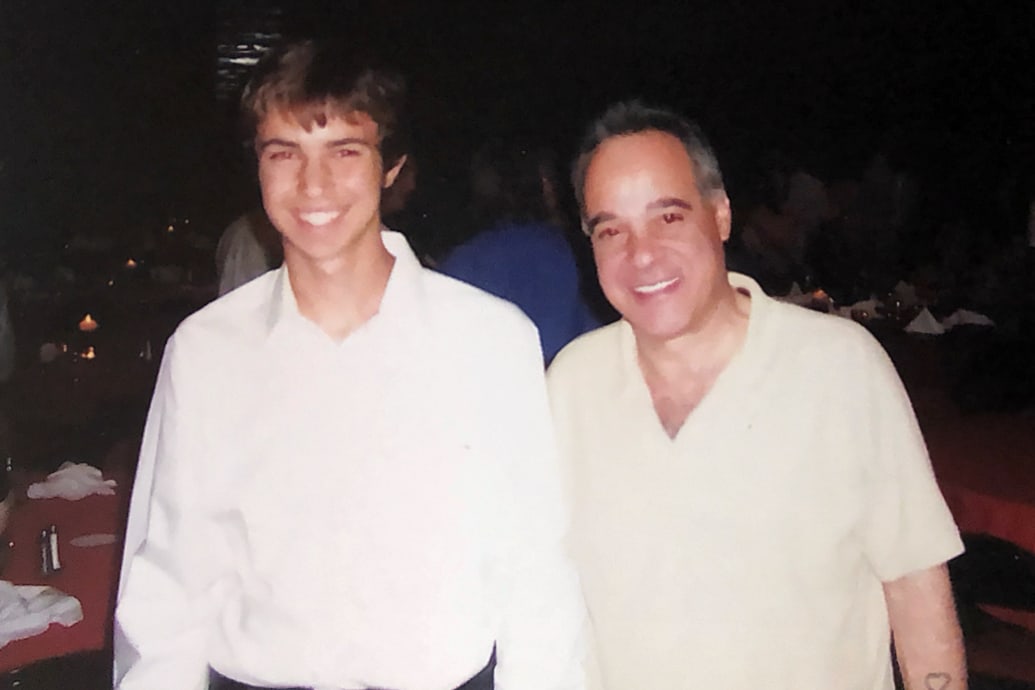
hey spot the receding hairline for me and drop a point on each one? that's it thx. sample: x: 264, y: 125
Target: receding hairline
x: 627, y: 118
x: 586, y: 158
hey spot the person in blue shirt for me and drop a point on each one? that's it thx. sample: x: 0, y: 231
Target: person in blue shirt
x: 519, y: 250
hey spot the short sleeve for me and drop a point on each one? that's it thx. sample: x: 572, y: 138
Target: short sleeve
x: 906, y: 525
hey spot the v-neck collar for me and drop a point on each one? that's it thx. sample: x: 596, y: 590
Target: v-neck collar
x: 635, y: 385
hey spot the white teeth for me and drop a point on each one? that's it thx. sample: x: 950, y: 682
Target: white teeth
x: 319, y: 217
x: 654, y: 287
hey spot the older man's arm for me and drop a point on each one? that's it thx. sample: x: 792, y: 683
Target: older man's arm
x: 926, y: 631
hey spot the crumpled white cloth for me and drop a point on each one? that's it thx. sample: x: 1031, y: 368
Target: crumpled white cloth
x: 965, y: 317
x: 72, y: 481
x: 27, y: 610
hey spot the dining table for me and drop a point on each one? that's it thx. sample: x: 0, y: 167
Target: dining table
x: 90, y: 532
x: 983, y: 459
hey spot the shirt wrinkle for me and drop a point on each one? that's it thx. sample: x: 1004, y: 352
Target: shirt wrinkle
x: 365, y: 512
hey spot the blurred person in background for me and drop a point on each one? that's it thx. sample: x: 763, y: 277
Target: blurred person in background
x: 248, y: 247
x: 520, y: 250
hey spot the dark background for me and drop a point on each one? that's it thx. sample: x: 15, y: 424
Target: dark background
x: 112, y: 123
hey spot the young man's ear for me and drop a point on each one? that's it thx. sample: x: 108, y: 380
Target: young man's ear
x: 393, y: 172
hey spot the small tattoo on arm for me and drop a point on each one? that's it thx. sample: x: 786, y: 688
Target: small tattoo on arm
x: 937, y: 681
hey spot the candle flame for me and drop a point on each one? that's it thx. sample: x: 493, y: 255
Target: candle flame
x: 89, y: 353
x: 88, y: 324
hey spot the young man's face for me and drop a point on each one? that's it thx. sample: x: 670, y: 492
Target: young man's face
x: 322, y: 187
x: 656, y: 240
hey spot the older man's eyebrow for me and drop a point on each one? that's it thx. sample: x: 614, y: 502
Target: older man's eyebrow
x: 666, y: 202
x: 597, y: 219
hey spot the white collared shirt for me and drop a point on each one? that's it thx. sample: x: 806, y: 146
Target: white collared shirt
x: 371, y: 513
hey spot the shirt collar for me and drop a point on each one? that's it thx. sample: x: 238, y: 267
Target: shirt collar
x: 404, y: 285
x: 759, y: 311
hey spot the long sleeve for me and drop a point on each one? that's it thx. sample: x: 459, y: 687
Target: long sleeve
x: 161, y: 612
x: 540, y: 642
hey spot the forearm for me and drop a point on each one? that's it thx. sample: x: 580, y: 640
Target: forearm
x: 926, y: 631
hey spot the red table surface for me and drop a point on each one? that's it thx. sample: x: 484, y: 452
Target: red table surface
x: 985, y: 464
x: 89, y: 573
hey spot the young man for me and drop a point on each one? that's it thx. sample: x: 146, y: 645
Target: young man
x: 348, y: 477
x: 753, y: 502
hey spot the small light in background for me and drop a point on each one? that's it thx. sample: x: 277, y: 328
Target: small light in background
x: 88, y: 325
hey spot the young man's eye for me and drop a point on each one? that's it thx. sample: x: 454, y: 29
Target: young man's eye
x: 348, y: 152
x: 605, y: 232
x: 279, y: 155
x: 672, y: 217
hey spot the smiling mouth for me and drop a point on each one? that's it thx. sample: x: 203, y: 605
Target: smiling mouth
x: 654, y: 287
x: 318, y: 218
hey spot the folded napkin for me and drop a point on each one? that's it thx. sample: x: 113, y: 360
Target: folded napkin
x: 965, y: 317
x: 27, y: 610
x: 72, y: 481
x: 925, y: 324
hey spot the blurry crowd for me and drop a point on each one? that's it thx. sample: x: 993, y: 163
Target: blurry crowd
x: 857, y: 233
x: 507, y: 226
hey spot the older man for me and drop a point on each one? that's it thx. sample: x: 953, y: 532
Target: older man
x: 348, y: 477
x: 753, y: 502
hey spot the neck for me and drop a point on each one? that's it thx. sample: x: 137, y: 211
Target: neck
x: 709, y: 346
x: 679, y: 372
x: 341, y: 294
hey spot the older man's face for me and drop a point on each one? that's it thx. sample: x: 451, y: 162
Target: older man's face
x: 657, y: 241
